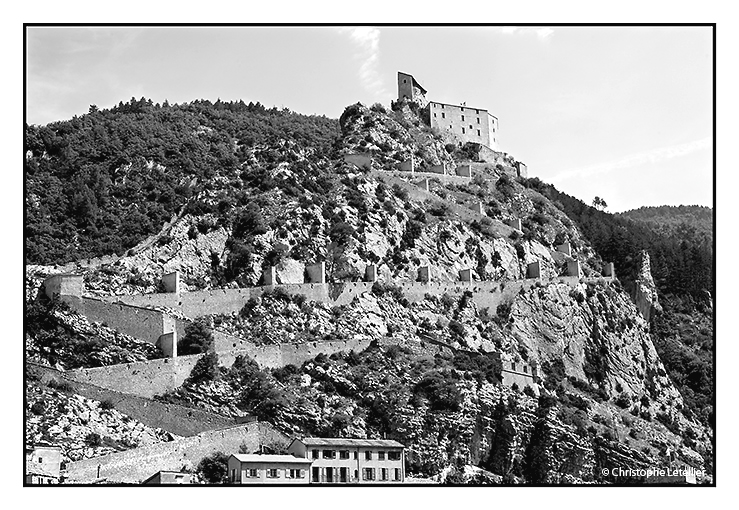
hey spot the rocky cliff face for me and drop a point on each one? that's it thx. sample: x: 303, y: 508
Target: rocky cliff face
x: 645, y: 292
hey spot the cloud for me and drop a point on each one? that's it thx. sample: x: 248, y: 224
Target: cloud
x: 367, y: 40
x: 638, y: 159
x: 541, y: 33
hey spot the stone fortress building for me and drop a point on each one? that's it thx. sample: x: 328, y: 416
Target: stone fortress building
x: 475, y: 125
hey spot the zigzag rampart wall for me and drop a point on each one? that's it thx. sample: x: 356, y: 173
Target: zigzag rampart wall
x: 156, y: 377
x: 134, y: 466
x: 179, y: 420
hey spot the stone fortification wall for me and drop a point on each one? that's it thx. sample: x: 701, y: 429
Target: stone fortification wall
x: 498, y: 158
x: 156, y: 377
x: 64, y: 285
x: 520, y: 379
x: 445, y: 178
x: 141, y: 323
x: 143, y: 378
x: 134, y: 466
x: 198, y: 303
x: 180, y: 420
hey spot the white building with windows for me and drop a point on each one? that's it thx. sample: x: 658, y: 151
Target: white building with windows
x: 339, y: 460
x: 267, y: 469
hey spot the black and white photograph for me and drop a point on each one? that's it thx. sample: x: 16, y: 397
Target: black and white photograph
x: 347, y: 255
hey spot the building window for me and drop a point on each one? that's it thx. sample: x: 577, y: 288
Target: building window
x: 295, y: 473
x: 329, y: 454
x: 462, y: 118
x: 478, y: 132
x: 462, y: 130
x: 380, y: 455
x: 397, y: 474
x: 393, y: 455
x: 461, y: 108
x: 478, y: 120
x: 434, y: 115
x: 273, y: 473
x: 368, y: 474
x: 526, y: 369
x: 367, y: 455
x: 251, y: 473
x: 344, y: 454
x: 405, y: 81
x: 315, y: 454
x: 233, y: 475
x: 383, y: 474
x: 477, y: 112
x: 443, y: 115
x: 40, y: 460
x: 442, y: 107
x: 470, y: 126
x: 356, y: 454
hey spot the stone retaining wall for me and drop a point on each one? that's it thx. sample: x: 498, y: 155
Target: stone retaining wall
x: 134, y: 466
x: 179, y: 420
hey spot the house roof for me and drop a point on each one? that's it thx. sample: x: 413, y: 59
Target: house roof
x: 277, y: 459
x: 465, y: 106
x: 162, y: 472
x: 340, y: 441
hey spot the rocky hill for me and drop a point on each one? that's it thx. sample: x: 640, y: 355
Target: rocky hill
x: 83, y: 428
x: 274, y: 198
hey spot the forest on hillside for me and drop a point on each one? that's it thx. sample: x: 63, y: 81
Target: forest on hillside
x: 102, y: 182
x: 681, y: 256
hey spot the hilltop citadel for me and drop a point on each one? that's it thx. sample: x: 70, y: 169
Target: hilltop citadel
x: 160, y: 318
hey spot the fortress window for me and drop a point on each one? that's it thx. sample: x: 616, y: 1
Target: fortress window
x: 462, y: 130
x: 462, y: 118
x: 478, y: 120
x: 470, y: 126
x: 405, y: 81
x: 434, y: 115
x: 478, y: 132
x: 443, y: 115
x: 478, y: 113
x: 442, y: 107
x: 461, y: 108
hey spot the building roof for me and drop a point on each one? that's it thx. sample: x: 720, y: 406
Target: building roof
x: 340, y: 441
x: 465, y: 106
x: 277, y: 459
x: 162, y: 472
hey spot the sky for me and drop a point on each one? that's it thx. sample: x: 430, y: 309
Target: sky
x: 623, y: 113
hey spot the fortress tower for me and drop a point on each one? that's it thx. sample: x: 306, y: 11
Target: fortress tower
x: 410, y: 89
x: 468, y: 124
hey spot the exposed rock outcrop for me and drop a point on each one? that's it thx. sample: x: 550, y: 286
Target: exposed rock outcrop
x: 645, y: 292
